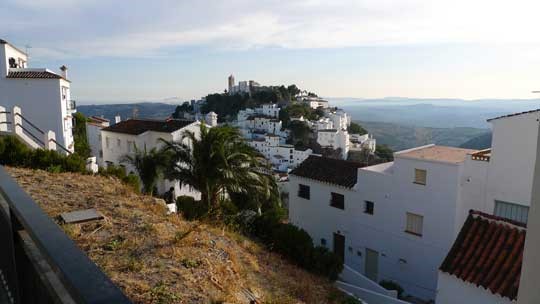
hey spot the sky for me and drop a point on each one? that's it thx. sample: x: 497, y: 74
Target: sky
x: 127, y: 51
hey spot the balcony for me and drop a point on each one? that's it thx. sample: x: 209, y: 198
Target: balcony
x: 39, y: 263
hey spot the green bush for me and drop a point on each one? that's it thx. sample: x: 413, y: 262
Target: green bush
x: 133, y: 181
x: 190, y: 208
x: 391, y: 285
x: 295, y: 244
x: 325, y: 262
x: 15, y: 153
x: 292, y: 242
x: 119, y: 172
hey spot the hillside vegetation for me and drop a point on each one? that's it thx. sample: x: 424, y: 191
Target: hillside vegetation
x: 152, y: 257
x: 400, y: 137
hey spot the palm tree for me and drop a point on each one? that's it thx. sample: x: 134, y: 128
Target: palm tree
x: 218, y: 162
x: 149, y: 166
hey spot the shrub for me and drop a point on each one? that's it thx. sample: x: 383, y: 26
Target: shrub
x: 190, y: 208
x: 15, y: 153
x: 292, y: 242
x: 132, y: 180
x: 391, y: 285
x: 325, y: 262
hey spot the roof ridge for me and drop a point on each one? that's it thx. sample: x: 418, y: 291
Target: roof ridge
x: 497, y: 218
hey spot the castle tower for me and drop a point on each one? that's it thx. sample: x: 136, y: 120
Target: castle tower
x: 231, y: 83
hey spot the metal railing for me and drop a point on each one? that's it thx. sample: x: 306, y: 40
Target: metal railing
x: 39, y: 263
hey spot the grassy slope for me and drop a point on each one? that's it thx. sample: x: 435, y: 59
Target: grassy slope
x: 149, y: 256
x: 400, y: 137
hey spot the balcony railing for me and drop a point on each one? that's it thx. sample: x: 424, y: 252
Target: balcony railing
x: 39, y: 263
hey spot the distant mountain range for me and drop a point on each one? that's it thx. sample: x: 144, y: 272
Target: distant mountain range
x: 401, y: 137
x: 480, y: 142
x: 141, y: 110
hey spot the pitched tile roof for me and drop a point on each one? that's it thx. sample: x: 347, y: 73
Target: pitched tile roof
x: 488, y: 252
x: 44, y: 74
x: 334, y: 171
x: 514, y: 114
x: 139, y: 126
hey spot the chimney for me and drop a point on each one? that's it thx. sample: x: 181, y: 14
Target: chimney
x: 64, y: 71
x: 117, y: 119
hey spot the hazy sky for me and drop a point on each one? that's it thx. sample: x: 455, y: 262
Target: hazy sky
x: 152, y: 50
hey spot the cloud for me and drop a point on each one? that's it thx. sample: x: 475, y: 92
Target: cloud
x: 153, y: 28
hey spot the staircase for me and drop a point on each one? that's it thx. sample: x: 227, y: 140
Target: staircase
x: 14, y: 123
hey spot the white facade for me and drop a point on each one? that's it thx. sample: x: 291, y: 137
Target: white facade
x: 340, y: 119
x: 479, y: 180
x: 361, y: 142
x: 44, y: 96
x: 457, y: 291
x: 115, y: 145
x: 335, y: 139
x: 391, y: 188
x: 282, y: 157
x: 313, y: 102
x: 93, y: 135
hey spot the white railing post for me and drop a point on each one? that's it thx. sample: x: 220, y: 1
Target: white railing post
x: 3, y: 120
x: 17, y: 121
x: 48, y: 140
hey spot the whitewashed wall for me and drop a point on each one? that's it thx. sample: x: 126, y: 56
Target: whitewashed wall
x: 452, y: 290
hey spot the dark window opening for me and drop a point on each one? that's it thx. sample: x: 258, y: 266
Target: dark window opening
x: 303, y: 191
x: 337, y: 200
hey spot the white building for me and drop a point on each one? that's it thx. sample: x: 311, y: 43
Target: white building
x: 43, y: 95
x: 282, y: 157
x: 339, y: 118
x: 398, y: 220
x: 94, y: 125
x: 485, y: 262
x: 335, y: 139
x: 122, y: 138
x: 384, y: 215
x: 361, y: 142
x: 313, y: 102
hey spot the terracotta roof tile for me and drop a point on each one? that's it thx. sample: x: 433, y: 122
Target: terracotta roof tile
x: 33, y: 74
x: 139, y: 126
x: 334, y: 171
x: 488, y: 252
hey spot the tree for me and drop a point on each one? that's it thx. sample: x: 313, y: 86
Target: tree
x: 79, y: 136
x: 300, y: 132
x: 184, y: 108
x: 355, y: 128
x: 384, y: 153
x: 149, y: 166
x: 217, y: 163
x: 293, y: 90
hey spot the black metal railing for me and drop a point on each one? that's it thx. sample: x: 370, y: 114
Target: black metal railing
x: 39, y: 263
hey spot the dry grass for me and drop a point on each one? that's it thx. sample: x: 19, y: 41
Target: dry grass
x: 148, y: 254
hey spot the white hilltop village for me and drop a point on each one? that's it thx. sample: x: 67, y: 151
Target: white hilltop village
x: 447, y: 225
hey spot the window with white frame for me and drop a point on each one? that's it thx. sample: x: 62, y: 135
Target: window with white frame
x: 420, y: 176
x: 415, y: 224
x: 511, y: 211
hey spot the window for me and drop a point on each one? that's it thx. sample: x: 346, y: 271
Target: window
x: 101, y: 153
x: 337, y: 200
x: 303, y: 191
x: 420, y: 176
x: 107, y: 142
x: 369, y: 207
x: 415, y: 224
x: 323, y: 242
x: 118, y: 142
x: 511, y: 211
x: 130, y: 146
